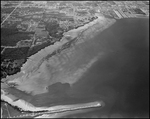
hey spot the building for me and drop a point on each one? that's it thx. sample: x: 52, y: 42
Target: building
x: 118, y: 14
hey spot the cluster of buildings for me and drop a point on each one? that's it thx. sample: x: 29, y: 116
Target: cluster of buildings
x: 121, y: 14
x: 80, y: 11
x: 30, y: 13
x: 124, y: 13
x: 124, y: 9
x: 30, y: 16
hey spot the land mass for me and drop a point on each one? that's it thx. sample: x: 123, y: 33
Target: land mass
x: 41, y: 71
x: 59, y: 63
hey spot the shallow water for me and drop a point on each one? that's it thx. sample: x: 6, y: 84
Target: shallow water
x: 121, y: 76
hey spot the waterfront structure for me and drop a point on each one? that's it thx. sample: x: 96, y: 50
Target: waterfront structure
x: 118, y: 14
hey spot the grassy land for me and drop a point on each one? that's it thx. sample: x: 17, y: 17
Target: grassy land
x: 15, y: 53
x: 9, y: 37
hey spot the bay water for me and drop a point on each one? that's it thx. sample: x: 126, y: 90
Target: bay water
x: 121, y: 77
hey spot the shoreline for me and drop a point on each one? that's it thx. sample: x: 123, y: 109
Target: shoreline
x: 26, y: 69
x: 74, y: 33
x: 29, y: 70
x: 33, y: 60
x: 36, y: 111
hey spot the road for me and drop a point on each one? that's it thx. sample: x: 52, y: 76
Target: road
x: 34, y: 37
x: 11, y: 13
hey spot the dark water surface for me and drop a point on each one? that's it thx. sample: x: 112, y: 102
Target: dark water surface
x: 121, y: 77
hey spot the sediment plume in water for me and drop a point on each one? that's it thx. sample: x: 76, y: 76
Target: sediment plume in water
x: 67, y: 65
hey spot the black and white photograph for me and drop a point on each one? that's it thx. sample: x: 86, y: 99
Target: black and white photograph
x: 74, y: 59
